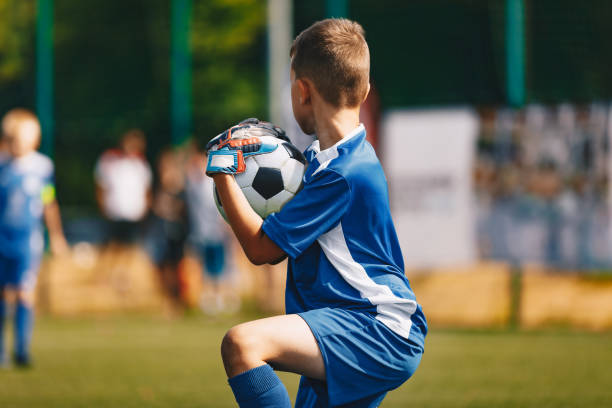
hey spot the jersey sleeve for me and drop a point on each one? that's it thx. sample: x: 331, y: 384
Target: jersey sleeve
x: 47, y: 194
x: 316, y: 209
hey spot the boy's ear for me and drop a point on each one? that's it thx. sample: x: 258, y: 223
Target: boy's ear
x: 366, y: 93
x: 303, y: 91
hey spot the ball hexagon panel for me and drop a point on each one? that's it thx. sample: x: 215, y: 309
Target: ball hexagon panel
x: 277, y: 202
x: 268, y: 182
x: 292, y: 172
x: 258, y: 203
x: 246, y: 179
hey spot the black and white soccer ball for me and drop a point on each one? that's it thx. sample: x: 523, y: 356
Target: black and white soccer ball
x: 271, y: 179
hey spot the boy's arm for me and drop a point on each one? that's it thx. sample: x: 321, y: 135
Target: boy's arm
x: 100, y: 197
x: 53, y: 221
x: 246, y: 223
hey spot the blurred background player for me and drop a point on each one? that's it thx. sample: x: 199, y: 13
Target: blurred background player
x: 27, y: 195
x: 123, y: 191
x: 209, y: 238
x: 167, y: 229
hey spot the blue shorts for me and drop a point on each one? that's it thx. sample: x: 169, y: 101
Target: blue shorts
x: 19, y: 272
x: 363, y: 360
x: 212, y: 255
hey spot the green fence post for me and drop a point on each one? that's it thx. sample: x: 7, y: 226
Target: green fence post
x: 515, y: 52
x: 515, y: 88
x: 336, y: 8
x: 44, y: 73
x: 180, y: 67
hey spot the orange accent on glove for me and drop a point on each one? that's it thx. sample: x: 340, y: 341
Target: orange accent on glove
x: 243, y: 142
x: 241, y: 164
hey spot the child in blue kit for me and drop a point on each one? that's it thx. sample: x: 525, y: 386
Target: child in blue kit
x: 353, y: 328
x: 27, y: 196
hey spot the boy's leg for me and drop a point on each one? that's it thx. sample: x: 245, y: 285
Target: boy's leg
x: 259, y: 387
x: 2, y: 317
x: 24, y: 309
x: 7, y: 278
x: 24, y: 320
x: 285, y: 342
x: 250, y: 350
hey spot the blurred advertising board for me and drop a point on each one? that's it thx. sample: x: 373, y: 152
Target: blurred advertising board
x: 428, y: 158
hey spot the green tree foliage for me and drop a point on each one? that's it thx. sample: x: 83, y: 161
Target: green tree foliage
x: 112, y: 68
x: 229, y: 63
x: 16, y: 53
x: 16, y: 23
x: 112, y: 63
x: 112, y: 73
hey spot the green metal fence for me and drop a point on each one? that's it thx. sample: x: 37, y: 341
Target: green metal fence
x: 109, y: 67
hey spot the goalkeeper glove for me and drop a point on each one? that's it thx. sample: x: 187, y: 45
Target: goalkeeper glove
x: 227, y: 151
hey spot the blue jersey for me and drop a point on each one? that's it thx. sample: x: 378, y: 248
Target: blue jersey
x: 342, y: 246
x: 26, y: 184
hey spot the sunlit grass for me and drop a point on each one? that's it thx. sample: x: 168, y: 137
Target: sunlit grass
x: 156, y: 362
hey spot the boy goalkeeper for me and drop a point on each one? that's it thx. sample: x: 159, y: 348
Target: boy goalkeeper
x: 353, y: 328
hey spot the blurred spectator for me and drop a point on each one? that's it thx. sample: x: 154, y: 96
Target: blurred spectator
x: 123, y: 186
x: 123, y: 191
x: 541, y: 180
x: 209, y: 236
x: 166, y: 232
x: 27, y: 195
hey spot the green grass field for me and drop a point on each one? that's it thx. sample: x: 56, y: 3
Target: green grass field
x: 155, y: 362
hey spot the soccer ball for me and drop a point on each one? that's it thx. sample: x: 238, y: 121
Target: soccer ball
x: 270, y: 179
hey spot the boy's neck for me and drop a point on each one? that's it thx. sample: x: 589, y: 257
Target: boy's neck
x: 332, y: 124
x: 19, y: 155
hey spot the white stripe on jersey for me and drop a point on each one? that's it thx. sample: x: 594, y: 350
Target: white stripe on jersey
x: 393, y: 311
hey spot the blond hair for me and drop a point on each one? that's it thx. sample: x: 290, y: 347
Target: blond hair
x: 15, y: 118
x: 334, y: 55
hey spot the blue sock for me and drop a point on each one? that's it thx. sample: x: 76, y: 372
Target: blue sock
x: 24, y: 317
x: 2, y: 316
x: 259, y: 387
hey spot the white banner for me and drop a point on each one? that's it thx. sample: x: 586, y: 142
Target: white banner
x: 428, y: 157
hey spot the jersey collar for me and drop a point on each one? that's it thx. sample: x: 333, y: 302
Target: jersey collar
x: 332, y: 151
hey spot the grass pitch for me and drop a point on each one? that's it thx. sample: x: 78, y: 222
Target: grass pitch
x: 154, y: 362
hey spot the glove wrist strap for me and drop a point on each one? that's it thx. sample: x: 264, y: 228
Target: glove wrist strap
x: 225, y: 161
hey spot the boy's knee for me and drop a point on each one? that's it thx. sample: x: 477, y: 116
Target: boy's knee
x: 26, y: 296
x: 8, y: 294
x: 237, y: 345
